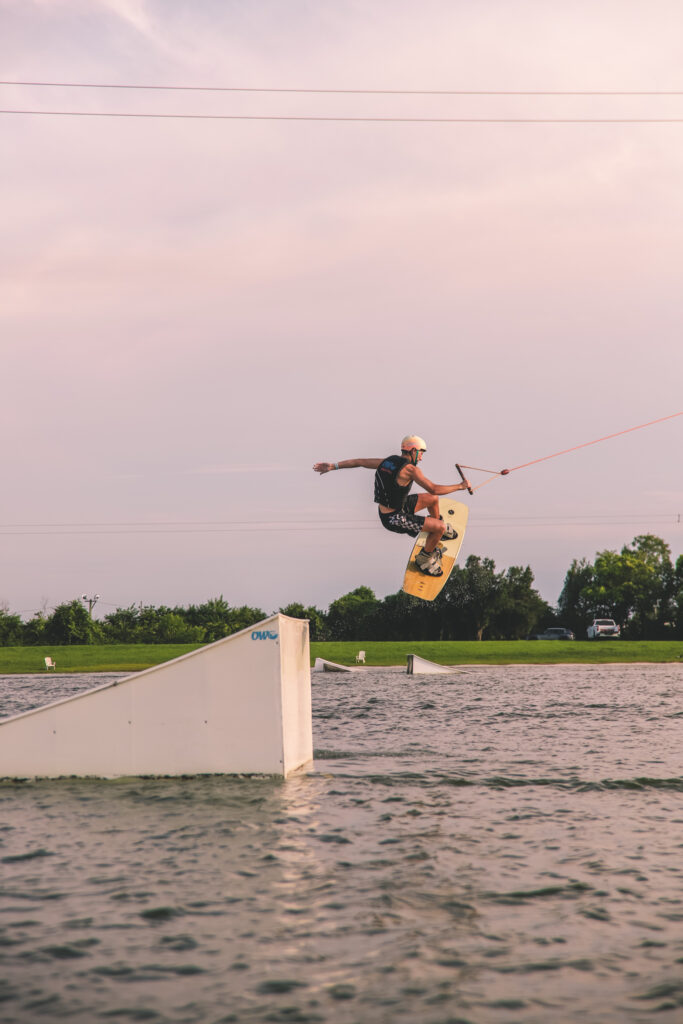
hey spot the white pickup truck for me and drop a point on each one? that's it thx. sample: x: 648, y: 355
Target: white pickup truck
x: 603, y: 627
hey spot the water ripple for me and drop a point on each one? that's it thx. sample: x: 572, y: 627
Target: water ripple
x: 494, y: 847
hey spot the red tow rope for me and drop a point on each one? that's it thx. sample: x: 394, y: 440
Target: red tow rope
x: 504, y: 472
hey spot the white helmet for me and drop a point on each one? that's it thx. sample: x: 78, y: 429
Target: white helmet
x: 413, y: 441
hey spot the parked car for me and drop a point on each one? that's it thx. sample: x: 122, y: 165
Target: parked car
x: 603, y: 627
x: 554, y: 633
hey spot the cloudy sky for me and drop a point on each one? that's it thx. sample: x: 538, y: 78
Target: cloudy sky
x: 195, y: 310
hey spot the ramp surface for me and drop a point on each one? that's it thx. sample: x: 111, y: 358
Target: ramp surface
x: 240, y: 705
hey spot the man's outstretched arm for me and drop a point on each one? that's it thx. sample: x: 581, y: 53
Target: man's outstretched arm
x: 327, y: 467
x: 422, y: 481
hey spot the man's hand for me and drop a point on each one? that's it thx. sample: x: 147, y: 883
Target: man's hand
x: 323, y: 467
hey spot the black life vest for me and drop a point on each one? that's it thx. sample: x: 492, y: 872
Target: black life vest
x: 387, y: 491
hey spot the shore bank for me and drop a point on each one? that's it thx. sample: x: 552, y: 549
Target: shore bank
x: 136, y: 657
x: 504, y: 652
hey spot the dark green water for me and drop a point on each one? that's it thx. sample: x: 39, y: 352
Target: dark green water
x: 497, y: 845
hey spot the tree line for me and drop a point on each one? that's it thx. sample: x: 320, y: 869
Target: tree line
x: 640, y: 587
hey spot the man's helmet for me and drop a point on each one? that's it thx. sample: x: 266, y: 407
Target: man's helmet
x: 413, y: 441
x: 413, y: 445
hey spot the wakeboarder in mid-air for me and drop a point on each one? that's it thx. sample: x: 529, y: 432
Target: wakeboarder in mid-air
x: 394, y: 477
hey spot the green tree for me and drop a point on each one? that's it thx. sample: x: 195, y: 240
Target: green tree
x: 172, y: 628
x: 147, y: 627
x: 164, y: 625
x: 243, y: 617
x: 11, y: 629
x: 120, y: 627
x: 574, y: 607
x: 316, y: 619
x: 351, y: 616
x: 478, y: 601
x: 213, y: 616
x: 609, y: 594
x: 403, y: 617
x: 519, y: 608
x: 636, y: 587
x: 71, y: 624
x: 33, y: 633
x: 202, y: 623
x: 472, y: 594
x: 653, y: 598
x: 677, y: 597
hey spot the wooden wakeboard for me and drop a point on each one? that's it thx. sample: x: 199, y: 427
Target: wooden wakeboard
x: 427, y: 587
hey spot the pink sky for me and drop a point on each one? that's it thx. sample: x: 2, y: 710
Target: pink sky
x: 194, y: 312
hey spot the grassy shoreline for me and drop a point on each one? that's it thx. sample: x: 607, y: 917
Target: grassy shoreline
x: 506, y: 652
x: 89, y: 657
x: 135, y: 657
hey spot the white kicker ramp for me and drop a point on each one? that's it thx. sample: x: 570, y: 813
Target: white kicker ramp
x: 240, y: 705
x: 321, y: 665
x: 422, y: 667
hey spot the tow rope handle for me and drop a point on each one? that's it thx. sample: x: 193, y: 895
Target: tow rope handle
x: 462, y: 477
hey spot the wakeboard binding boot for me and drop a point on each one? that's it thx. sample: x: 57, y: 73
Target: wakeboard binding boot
x: 449, y: 533
x: 429, y: 562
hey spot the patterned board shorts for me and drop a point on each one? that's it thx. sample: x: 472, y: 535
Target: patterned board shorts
x: 403, y: 520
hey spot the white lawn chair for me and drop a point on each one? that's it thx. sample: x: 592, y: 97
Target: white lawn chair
x: 49, y: 663
x: 360, y: 658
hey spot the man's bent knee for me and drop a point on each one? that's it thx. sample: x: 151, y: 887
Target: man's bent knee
x: 434, y: 525
x: 430, y: 503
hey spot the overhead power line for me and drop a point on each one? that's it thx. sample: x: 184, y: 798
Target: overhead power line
x: 348, y: 92
x: 285, y: 523
x: 283, y: 90
x: 370, y: 120
x: 316, y: 525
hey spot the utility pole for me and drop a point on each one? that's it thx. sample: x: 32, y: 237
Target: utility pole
x: 90, y: 601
